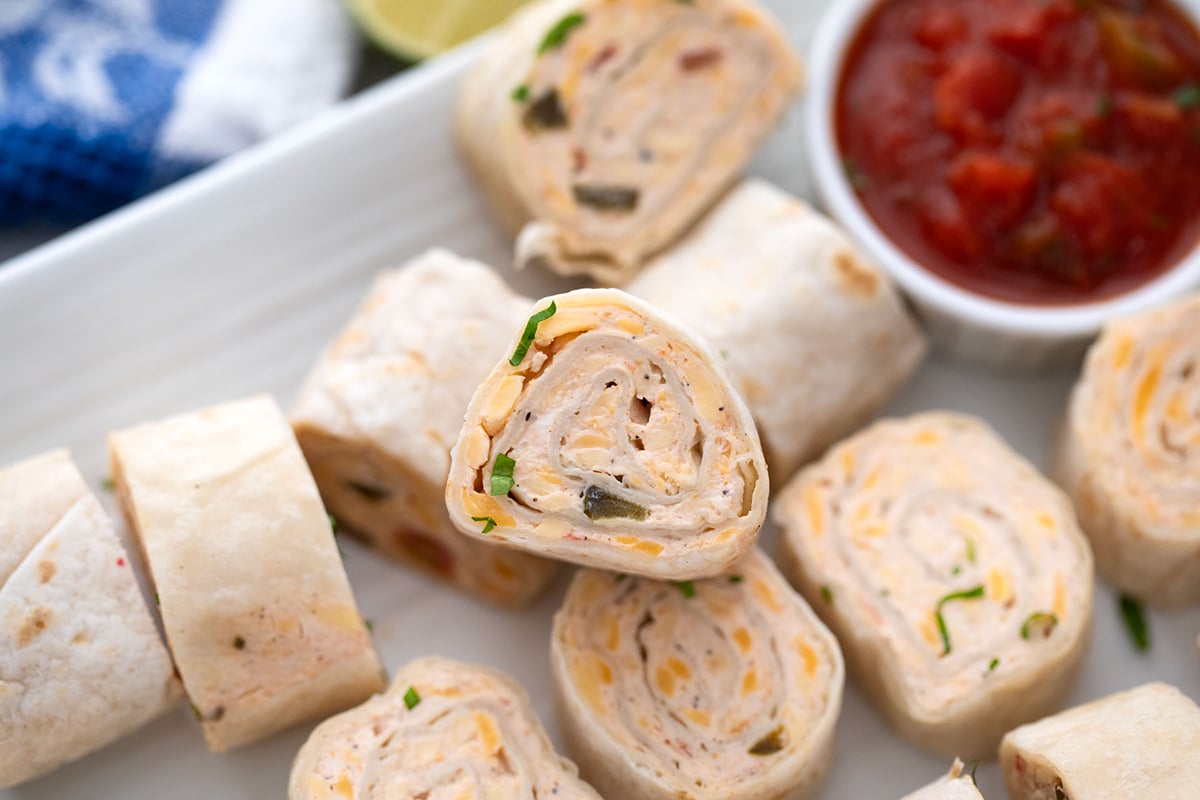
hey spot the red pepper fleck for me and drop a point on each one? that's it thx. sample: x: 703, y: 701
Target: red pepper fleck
x: 599, y: 60
x: 120, y: 562
x: 699, y: 59
x: 579, y: 159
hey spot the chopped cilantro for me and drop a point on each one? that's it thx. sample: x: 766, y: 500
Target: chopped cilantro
x: 502, y: 474
x: 528, y: 334
x: 558, y: 34
x: 968, y: 594
x: 1135, y: 622
x: 488, y: 522
x: 1042, y: 621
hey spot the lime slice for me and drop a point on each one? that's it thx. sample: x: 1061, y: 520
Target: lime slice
x: 417, y: 29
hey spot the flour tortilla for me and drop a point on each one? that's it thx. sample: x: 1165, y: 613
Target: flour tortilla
x: 816, y: 337
x: 254, y: 600
x: 442, y: 725
x: 1130, y: 453
x: 659, y: 103
x: 954, y: 786
x: 1138, y: 743
x: 81, y: 660
x: 726, y: 687
x: 632, y: 450
x: 912, y: 511
x: 380, y: 411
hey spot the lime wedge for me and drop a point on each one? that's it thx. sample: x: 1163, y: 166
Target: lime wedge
x: 417, y: 29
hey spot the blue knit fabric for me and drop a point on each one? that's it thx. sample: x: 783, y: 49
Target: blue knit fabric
x: 85, y: 88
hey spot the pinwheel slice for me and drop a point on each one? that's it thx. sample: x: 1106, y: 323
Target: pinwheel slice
x: 611, y: 438
x: 81, y: 663
x: 727, y: 687
x: 256, y: 606
x: 380, y: 411
x: 1130, y: 453
x: 443, y: 729
x: 1139, y: 743
x: 954, y: 575
x: 954, y: 786
x: 613, y: 124
x: 816, y: 338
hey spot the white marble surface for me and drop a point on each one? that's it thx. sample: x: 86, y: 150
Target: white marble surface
x: 230, y: 283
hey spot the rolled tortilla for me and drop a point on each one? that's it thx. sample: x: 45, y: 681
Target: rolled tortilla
x: 614, y: 441
x: 81, y: 663
x: 1130, y: 453
x: 1144, y: 742
x: 954, y: 786
x: 613, y: 124
x: 954, y: 575
x: 729, y: 687
x: 256, y: 606
x: 816, y: 338
x: 380, y: 411
x: 443, y: 729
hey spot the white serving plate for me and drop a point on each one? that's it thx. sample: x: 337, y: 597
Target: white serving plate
x: 231, y: 282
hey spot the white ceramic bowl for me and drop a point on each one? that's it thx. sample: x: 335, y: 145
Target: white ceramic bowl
x: 962, y: 323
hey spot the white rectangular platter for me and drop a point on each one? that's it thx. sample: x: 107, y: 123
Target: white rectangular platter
x: 231, y: 283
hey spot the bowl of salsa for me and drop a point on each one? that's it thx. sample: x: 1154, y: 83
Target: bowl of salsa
x: 1026, y: 169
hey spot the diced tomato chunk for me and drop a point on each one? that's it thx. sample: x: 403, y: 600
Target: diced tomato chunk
x: 1025, y: 30
x: 892, y: 139
x: 977, y: 88
x: 995, y: 192
x: 900, y: 123
x: 948, y: 228
x: 1151, y: 120
x: 1103, y: 203
x: 941, y: 27
x: 1054, y: 124
x: 1022, y: 33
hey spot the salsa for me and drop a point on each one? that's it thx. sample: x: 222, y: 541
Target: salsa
x: 1036, y: 151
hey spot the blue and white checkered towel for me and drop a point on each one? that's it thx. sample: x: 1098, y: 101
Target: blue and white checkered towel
x: 104, y: 100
